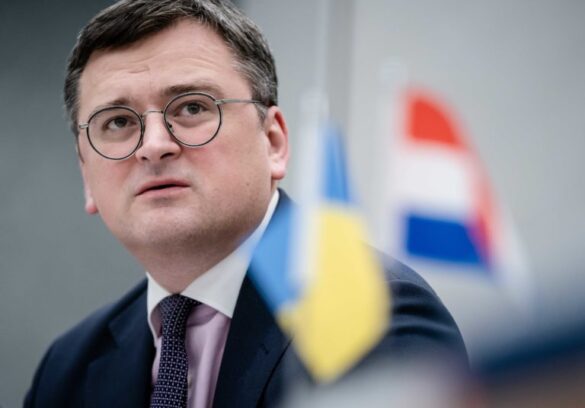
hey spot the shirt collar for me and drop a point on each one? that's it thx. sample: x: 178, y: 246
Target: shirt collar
x: 219, y: 287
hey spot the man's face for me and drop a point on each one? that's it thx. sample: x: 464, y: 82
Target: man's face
x: 212, y: 195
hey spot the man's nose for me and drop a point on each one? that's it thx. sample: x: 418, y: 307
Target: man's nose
x: 157, y: 142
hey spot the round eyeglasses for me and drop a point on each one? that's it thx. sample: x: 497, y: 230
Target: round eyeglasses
x: 193, y: 119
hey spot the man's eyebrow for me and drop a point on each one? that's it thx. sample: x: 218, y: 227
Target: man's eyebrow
x: 114, y: 102
x: 200, y: 86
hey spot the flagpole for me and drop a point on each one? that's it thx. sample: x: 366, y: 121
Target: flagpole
x: 393, y: 79
x: 314, y: 111
x: 321, y: 50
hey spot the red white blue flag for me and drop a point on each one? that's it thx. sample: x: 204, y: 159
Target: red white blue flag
x: 444, y: 210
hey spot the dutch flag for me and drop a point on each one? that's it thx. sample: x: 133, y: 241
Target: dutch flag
x: 444, y: 214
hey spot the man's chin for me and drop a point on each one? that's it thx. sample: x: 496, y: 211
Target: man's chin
x: 162, y: 231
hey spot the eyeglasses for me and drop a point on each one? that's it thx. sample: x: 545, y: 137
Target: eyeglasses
x: 193, y: 119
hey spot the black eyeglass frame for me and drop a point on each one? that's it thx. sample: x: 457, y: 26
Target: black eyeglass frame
x: 217, y: 102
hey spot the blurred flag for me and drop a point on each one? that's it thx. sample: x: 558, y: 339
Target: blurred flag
x: 444, y: 208
x: 315, y: 271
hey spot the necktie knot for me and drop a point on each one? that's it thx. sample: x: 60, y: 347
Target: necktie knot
x: 174, y: 311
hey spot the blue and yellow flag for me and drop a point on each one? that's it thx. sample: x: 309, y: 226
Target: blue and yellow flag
x: 321, y: 280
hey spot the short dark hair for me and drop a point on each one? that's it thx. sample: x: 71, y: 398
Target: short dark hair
x: 129, y: 21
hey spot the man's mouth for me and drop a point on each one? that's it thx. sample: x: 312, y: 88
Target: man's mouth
x: 161, y: 187
x: 158, y: 185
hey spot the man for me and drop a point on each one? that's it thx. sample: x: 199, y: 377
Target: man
x: 181, y: 144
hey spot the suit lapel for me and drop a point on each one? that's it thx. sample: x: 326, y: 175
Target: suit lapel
x: 253, y: 349
x: 121, y: 376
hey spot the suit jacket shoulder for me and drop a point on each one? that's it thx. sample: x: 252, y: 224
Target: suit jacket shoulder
x: 86, y: 366
x: 420, y: 322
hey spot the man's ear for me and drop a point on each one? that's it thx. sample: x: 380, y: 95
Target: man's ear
x: 277, y: 135
x: 90, y: 206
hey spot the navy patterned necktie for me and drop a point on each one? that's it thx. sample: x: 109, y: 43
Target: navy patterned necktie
x: 170, y: 389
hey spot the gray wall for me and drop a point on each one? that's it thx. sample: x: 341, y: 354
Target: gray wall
x: 56, y: 263
x: 515, y: 72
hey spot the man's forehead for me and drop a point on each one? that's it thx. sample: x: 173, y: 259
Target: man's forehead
x: 186, y: 54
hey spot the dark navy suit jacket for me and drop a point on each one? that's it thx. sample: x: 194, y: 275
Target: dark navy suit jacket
x: 106, y: 360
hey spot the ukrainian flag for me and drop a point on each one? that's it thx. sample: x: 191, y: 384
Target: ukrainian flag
x: 321, y: 280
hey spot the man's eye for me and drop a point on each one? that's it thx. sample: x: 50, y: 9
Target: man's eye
x: 191, y: 109
x: 117, y: 123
